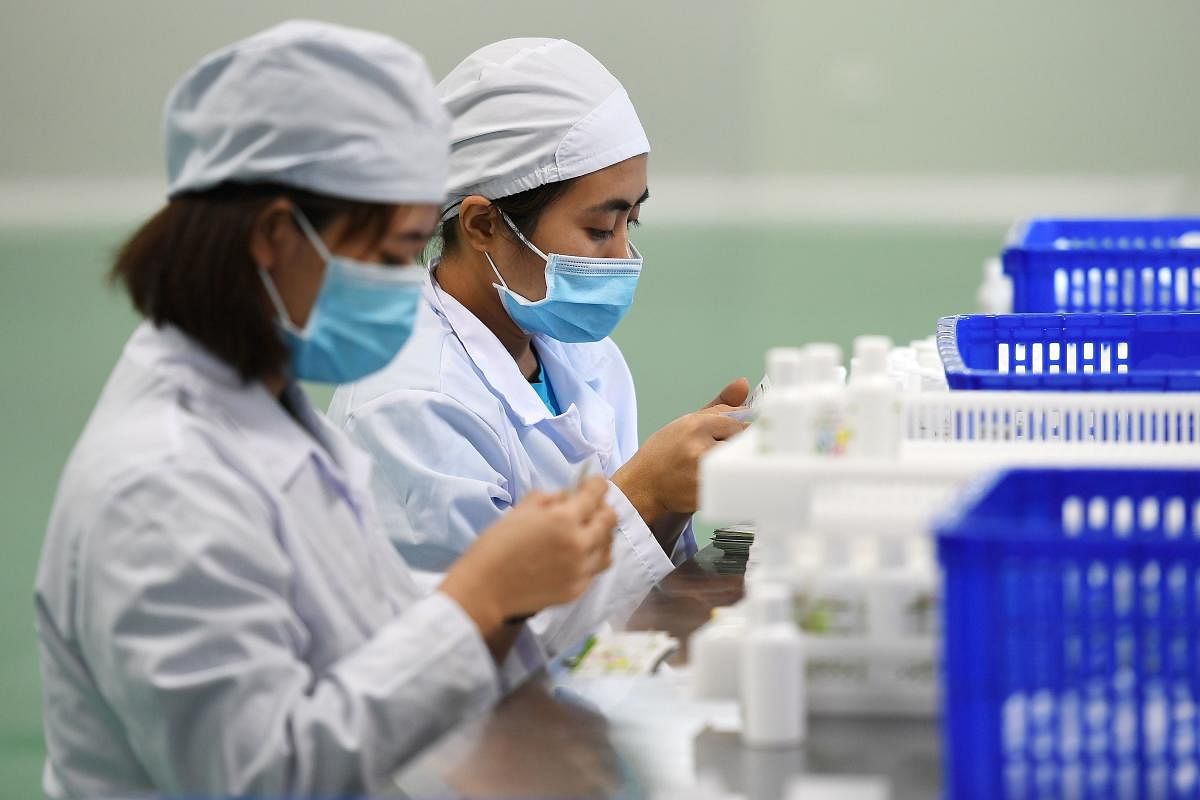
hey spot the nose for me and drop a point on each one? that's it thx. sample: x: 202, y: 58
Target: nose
x: 619, y: 246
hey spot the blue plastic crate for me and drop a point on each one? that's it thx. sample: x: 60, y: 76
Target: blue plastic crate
x: 1103, y: 265
x: 1071, y: 636
x: 1148, y: 352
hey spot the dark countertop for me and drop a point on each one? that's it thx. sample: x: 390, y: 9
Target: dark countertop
x: 541, y: 742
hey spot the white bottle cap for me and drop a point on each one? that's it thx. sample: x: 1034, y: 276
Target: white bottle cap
x: 928, y: 358
x: 992, y: 269
x: 902, y: 358
x: 786, y: 366
x: 824, y: 360
x: 871, y: 354
x: 770, y: 602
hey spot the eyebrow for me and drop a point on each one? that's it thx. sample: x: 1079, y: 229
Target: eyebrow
x: 412, y: 236
x: 620, y: 203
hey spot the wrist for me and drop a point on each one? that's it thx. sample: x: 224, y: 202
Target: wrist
x: 639, y: 493
x: 668, y: 527
x: 476, y: 597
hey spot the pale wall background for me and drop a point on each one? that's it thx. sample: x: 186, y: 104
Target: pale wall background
x: 767, y: 86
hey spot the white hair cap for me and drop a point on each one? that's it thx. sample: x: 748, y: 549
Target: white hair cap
x: 334, y: 110
x: 527, y: 112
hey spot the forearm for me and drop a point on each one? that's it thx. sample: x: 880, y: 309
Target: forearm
x: 639, y: 491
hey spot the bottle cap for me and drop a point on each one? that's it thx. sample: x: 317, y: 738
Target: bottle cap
x: 824, y: 360
x: 871, y: 354
x: 786, y: 366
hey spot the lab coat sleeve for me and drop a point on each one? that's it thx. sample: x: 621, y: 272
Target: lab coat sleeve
x: 185, y: 618
x: 623, y: 396
x: 638, y: 563
x: 441, y: 480
x: 685, y: 546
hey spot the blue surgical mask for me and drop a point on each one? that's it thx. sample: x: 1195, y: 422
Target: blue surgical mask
x: 363, y: 315
x: 585, y: 297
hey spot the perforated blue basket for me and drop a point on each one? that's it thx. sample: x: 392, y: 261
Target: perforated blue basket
x: 1149, y: 352
x: 1071, y: 653
x: 1103, y: 265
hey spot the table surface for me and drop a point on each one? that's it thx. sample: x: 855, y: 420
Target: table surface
x: 542, y: 742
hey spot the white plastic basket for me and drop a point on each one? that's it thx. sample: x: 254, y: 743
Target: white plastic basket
x: 1053, y: 417
x: 875, y: 660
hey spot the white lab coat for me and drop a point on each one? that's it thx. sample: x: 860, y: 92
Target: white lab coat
x: 217, y: 610
x: 458, y: 435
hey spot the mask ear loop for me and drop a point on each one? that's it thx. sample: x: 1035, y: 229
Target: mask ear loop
x: 311, y: 234
x: 521, y: 236
x: 281, y: 313
x: 526, y: 242
x: 501, y: 284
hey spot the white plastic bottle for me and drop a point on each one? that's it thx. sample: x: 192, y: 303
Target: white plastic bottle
x: 714, y: 654
x: 827, y: 399
x: 872, y: 401
x: 995, y: 295
x: 933, y: 374
x: 772, y: 670
x: 902, y: 366
x: 783, y: 422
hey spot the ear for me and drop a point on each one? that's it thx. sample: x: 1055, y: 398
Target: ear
x: 478, y: 223
x: 273, y: 234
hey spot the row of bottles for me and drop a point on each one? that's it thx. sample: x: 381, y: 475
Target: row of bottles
x: 809, y: 408
x: 868, y: 603
x: 755, y: 652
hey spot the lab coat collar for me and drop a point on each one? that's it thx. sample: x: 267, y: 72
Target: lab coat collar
x: 271, y: 436
x: 573, y: 371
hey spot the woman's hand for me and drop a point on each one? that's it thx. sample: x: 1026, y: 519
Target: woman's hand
x: 664, y: 474
x: 543, y: 552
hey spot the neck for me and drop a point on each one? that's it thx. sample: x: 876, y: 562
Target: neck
x: 275, y: 384
x: 468, y: 279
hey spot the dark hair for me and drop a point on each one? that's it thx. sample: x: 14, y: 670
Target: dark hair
x: 523, y: 208
x: 190, y: 266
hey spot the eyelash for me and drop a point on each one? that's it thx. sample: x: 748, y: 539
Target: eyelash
x: 601, y: 235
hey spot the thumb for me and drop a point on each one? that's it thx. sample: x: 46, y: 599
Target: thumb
x: 734, y: 394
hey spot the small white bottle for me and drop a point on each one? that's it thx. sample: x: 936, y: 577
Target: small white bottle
x: 783, y: 420
x: 873, y: 401
x: 772, y: 670
x: 826, y: 360
x: 714, y: 654
x: 995, y: 295
x: 827, y: 399
x: 933, y: 374
x: 902, y: 366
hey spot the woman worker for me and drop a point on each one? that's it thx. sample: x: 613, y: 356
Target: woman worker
x: 510, y: 384
x: 217, y: 609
